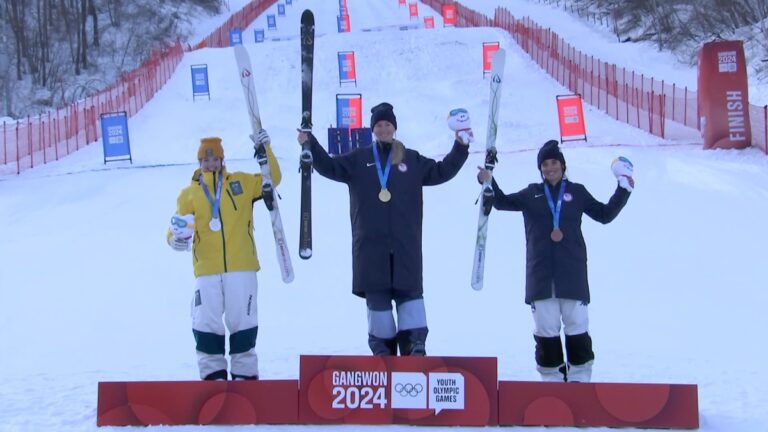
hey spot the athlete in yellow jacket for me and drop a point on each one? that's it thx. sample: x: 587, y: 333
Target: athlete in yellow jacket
x: 214, y: 215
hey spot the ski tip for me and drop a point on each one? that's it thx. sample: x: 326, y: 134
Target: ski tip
x: 288, y: 278
x: 477, y: 287
x: 305, y: 253
x: 307, y: 15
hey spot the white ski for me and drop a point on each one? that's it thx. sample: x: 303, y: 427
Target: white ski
x: 497, y: 77
x: 249, y: 91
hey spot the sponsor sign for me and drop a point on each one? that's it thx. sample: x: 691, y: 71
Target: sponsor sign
x: 570, y: 113
x: 347, y: 72
x: 235, y: 36
x: 114, y: 137
x: 349, y: 110
x: 489, y: 50
x: 200, y: 81
x: 398, y: 390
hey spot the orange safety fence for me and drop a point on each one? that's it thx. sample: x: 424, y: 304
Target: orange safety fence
x: 37, y: 140
x: 630, y: 97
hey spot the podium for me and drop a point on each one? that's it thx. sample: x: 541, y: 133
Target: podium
x: 444, y: 391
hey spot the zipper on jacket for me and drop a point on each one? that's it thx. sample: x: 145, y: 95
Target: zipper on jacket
x: 223, y: 242
x: 232, y: 199
x: 253, y: 241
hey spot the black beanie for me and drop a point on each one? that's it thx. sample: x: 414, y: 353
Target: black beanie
x: 383, y: 111
x: 550, y: 150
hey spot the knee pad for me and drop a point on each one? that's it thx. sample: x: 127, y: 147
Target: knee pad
x: 579, y: 348
x: 549, y: 351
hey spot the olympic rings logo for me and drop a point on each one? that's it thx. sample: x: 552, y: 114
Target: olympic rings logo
x: 411, y: 390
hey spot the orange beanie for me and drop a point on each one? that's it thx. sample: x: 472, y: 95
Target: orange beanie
x: 210, y: 146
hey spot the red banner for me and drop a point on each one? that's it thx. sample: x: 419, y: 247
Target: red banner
x: 455, y: 391
x: 489, y: 50
x: 413, y: 10
x: 570, y: 113
x: 197, y: 402
x: 401, y: 2
x: 449, y: 15
x: 723, y: 99
x: 669, y: 406
x: 429, y: 22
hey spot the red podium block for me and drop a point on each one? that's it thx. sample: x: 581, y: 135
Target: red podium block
x: 197, y: 402
x: 598, y: 405
x: 453, y: 391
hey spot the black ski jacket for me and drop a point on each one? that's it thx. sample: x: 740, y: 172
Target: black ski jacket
x: 557, y: 269
x: 386, y: 237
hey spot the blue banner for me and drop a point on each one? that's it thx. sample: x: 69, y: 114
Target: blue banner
x: 271, y: 22
x: 338, y: 141
x: 289, y: 2
x: 235, y: 37
x: 199, y: 80
x: 360, y: 137
x: 281, y: 10
x: 258, y: 35
x: 114, y: 136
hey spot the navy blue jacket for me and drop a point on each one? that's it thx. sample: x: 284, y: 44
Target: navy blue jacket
x: 387, y: 231
x: 559, y: 266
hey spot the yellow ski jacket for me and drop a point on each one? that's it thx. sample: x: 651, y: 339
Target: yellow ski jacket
x: 232, y: 248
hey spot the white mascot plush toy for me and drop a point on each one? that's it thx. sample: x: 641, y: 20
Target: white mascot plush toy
x: 459, y: 122
x: 183, y: 226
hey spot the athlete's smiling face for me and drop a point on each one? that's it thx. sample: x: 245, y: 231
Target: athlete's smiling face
x: 384, y: 131
x: 211, y: 164
x: 552, y: 171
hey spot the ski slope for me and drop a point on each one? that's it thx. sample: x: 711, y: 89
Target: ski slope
x: 91, y: 292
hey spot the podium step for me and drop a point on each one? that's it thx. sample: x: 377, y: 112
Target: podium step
x: 197, y: 402
x: 523, y: 403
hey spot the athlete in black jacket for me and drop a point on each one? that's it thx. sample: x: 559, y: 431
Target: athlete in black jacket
x: 556, y: 284
x: 385, y: 184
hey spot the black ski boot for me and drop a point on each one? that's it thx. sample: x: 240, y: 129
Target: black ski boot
x: 413, y: 341
x: 382, y: 347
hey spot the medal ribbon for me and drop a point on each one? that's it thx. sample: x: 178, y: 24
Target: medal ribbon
x: 383, y: 174
x: 555, y: 209
x: 214, y: 203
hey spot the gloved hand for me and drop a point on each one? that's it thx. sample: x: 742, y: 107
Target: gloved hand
x: 483, y: 175
x: 465, y: 136
x: 459, y: 122
x: 623, y: 169
x: 261, y: 138
x: 180, y: 244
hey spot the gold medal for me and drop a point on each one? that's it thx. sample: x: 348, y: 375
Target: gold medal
x: 556, y: 235
x: 384, y: 195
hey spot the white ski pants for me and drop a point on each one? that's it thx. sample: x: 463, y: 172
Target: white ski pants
x: 547, y: 317
x: 231, y: 296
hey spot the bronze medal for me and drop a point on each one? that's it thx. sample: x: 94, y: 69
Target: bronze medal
x: 556, y: 235
x: 384, y: 195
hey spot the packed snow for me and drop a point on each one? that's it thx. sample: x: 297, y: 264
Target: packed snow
x: 91, y: 291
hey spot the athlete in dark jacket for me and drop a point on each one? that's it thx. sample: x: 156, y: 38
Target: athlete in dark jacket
x: 556, y: 284
x: 385, y: 184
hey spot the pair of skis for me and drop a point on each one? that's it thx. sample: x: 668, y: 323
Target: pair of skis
x: 249, y: 91
x: 305, y: 161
